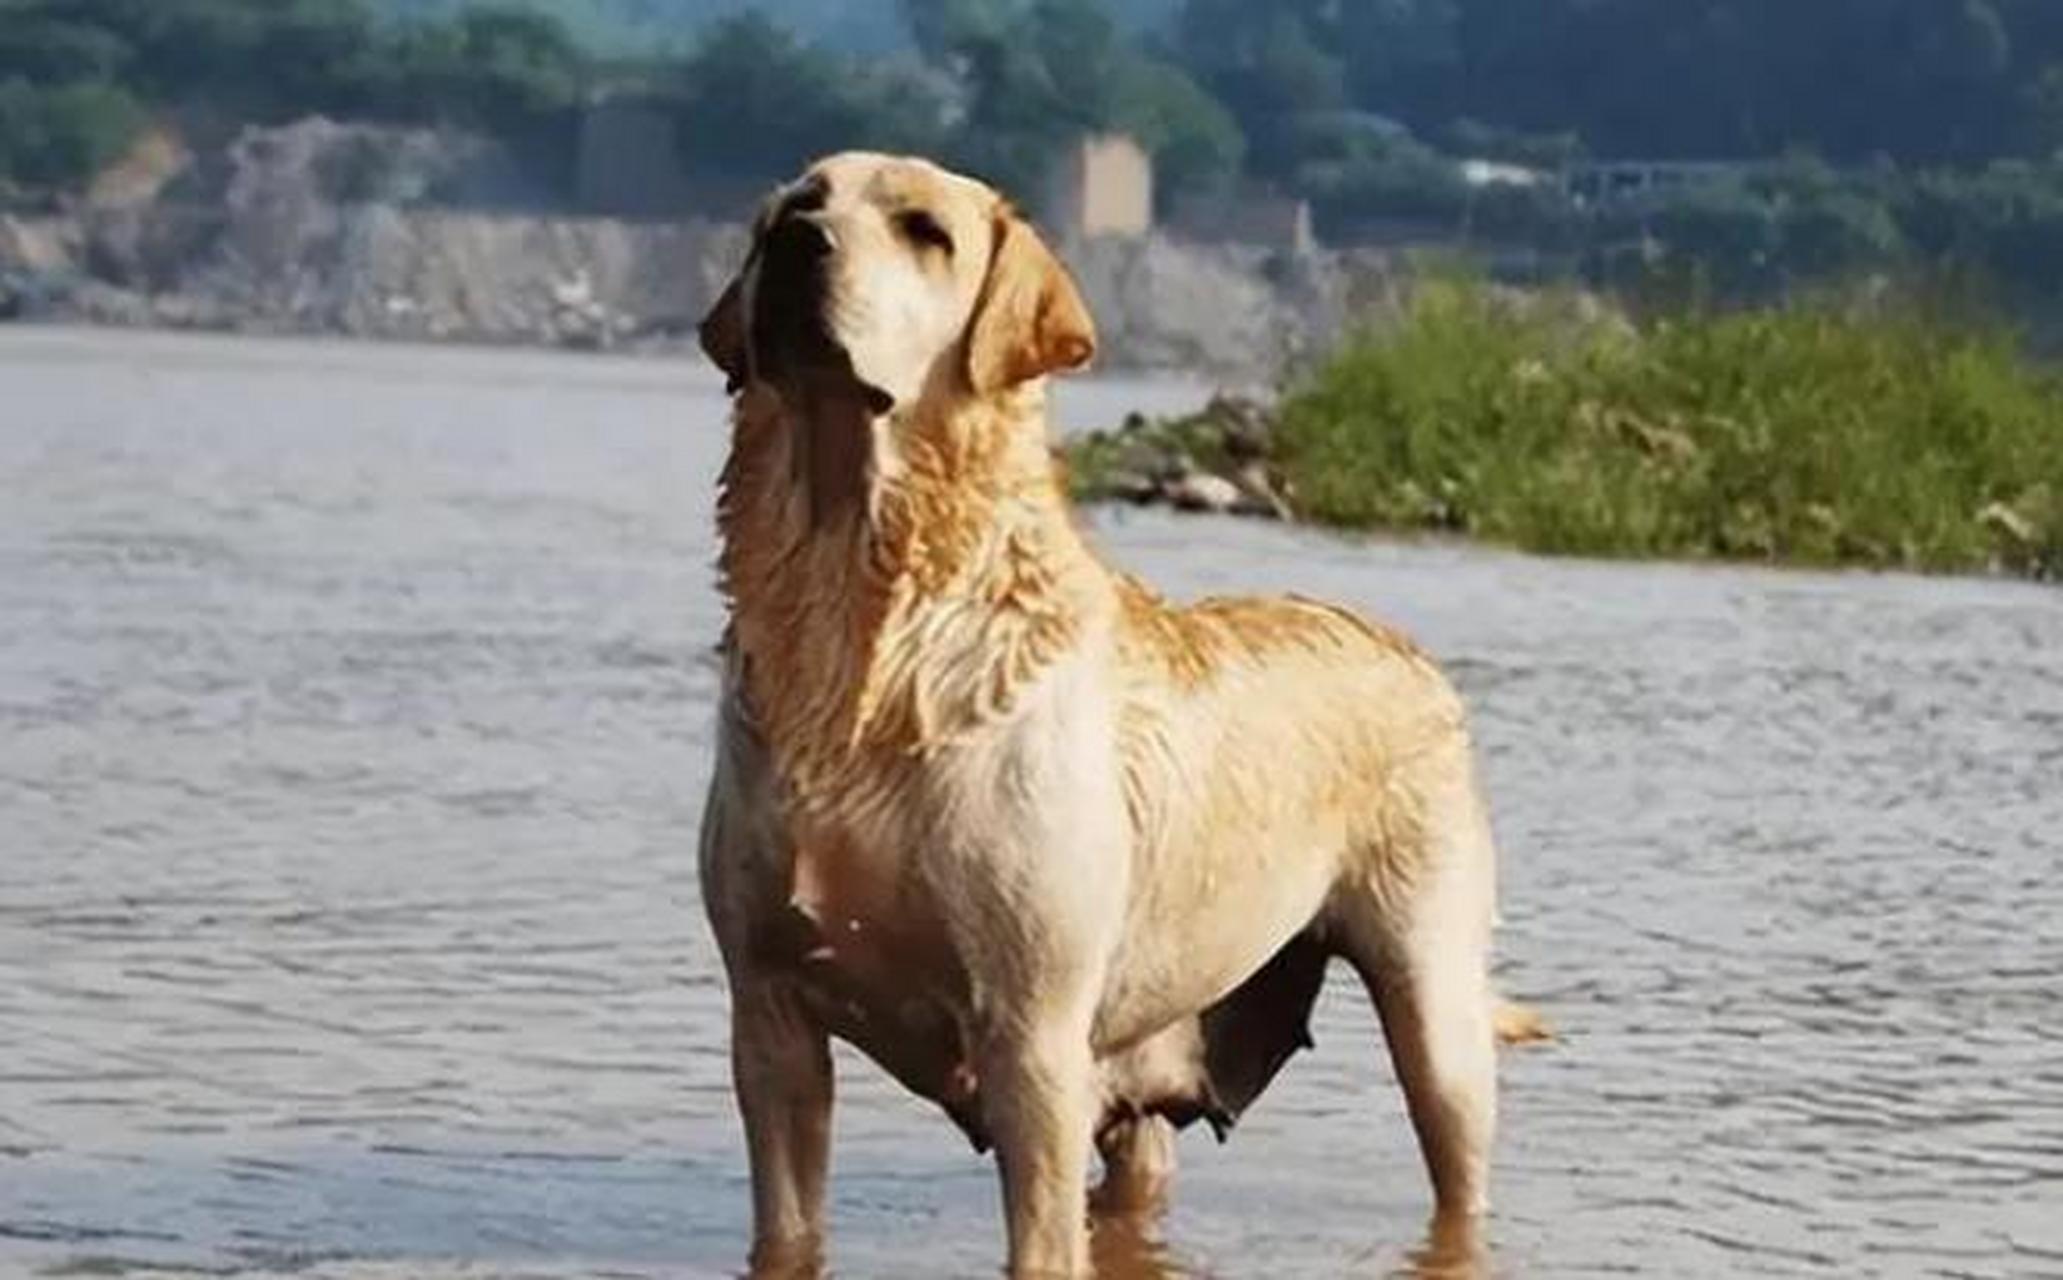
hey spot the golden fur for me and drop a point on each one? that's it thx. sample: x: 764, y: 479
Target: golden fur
x: 1060, y: 855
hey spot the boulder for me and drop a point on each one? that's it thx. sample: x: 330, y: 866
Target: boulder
x: 1202, y: 491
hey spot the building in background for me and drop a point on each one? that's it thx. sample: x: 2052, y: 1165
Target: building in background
x: 1101, y: 186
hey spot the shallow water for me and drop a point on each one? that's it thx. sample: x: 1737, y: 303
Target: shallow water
x: 353, y: 727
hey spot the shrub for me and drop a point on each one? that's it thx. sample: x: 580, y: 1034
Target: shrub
x: 1832, y: 432
x: 63, y: 136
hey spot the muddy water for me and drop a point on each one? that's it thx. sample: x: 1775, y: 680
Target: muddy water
x: 353, y: 722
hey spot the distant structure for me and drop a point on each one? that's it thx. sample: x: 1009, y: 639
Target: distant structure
x: 1608, y: 182
x: 630, y: 161
x: 1481, y: 173
x: 1101, y: 186
x: 1252, y: 216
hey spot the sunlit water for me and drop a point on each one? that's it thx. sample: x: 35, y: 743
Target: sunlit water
x: 354, y: 717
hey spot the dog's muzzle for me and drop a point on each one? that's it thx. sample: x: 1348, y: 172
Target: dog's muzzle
x: 790, y: 334
x: 792, y: 339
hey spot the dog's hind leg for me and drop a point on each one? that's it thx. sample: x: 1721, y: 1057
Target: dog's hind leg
x: 781, y: 1068
x: 1417, y: 927
x: 1138, y: 1166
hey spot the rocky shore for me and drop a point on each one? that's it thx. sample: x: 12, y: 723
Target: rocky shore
x: 327, y: 228
x: 1217, y: 460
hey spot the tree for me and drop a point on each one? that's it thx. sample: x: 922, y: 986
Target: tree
x: 1033, y: 77
x: 756, y: 104
x: 943, y: 29
x: 63, y: 136
x: 1196, y: 144
x: 48, y: 49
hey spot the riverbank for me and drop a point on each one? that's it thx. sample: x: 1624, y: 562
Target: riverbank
x: 1878, y: 434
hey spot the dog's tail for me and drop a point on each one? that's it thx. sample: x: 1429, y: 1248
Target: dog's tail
x: 1521, y: 1024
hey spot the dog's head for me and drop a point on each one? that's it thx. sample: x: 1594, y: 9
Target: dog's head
x: 893, y: 279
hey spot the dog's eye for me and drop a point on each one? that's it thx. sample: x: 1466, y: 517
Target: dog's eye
x: 923, y: 229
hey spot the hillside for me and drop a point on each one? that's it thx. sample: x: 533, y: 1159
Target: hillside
x: 861, y: 25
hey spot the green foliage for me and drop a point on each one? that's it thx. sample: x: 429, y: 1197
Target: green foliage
x: 1796, y: 221
x: 619, y: 27
x: 1396, y: 178
x: 84, y: 70
x: 1035, y: 74
x: 1197, y: 146
x: 1948, y: 85
x: 1825, y: 433
x: 43, y: 47
x: 2006, y: 219
x: 500, y: 69
x: 1548, y: 151
x: 63, y: 135
x: 757, y: 104
x: 1270, y: 66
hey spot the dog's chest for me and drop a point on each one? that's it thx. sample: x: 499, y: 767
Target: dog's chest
x: 872, y: 954
x: 859, y: 890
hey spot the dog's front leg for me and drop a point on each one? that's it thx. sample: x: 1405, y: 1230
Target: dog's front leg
x: 781, y: 1068
x: 1038, y: 1095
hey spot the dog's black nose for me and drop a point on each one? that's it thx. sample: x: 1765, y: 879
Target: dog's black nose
x: 801, y: 239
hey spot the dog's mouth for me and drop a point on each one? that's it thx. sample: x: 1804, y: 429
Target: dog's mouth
x: 793, y: 344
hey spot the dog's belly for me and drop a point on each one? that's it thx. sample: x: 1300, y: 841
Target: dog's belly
x: 1203, y: 923
x: 876, y: 970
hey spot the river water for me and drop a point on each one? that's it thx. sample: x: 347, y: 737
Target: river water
x: 354, y: 718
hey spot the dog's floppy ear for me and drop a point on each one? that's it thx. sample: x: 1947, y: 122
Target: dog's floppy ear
x: 1031, y: 319
x: 723, y: 333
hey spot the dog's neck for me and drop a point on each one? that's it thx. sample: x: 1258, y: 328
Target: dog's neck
x: 895, y: 582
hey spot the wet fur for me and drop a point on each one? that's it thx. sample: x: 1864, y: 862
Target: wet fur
x: 1056, y: 853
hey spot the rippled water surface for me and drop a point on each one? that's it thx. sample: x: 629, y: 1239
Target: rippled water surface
x: 353, y: 725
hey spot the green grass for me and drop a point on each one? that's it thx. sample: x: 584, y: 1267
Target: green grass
x: 1887, y: 434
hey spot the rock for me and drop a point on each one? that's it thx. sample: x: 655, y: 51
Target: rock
x: 1134, y: 487
x: 1258, y: 495
x: 1169, y: 304
x: 1247, y: 425
x: 1202, y: 491
x: 38, y: 245
x: 2003, y: 520
x: 576, y: 293
x: 98, y: 303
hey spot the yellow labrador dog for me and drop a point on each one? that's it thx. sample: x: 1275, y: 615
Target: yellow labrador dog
x: 1064, y: 858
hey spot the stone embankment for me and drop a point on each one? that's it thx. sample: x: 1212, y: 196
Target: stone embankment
x: 320, y: 227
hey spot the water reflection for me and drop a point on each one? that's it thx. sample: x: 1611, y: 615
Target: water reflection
x: 1129, y: 1246
x: 1452, y: 1250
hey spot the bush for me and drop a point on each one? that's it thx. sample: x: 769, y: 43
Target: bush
x: 1398, y: 179
x: 500, y: 70
x: 1197, y: 146
x: 63, y: 136
x: 1827, y: 433
x: 52, y: 50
